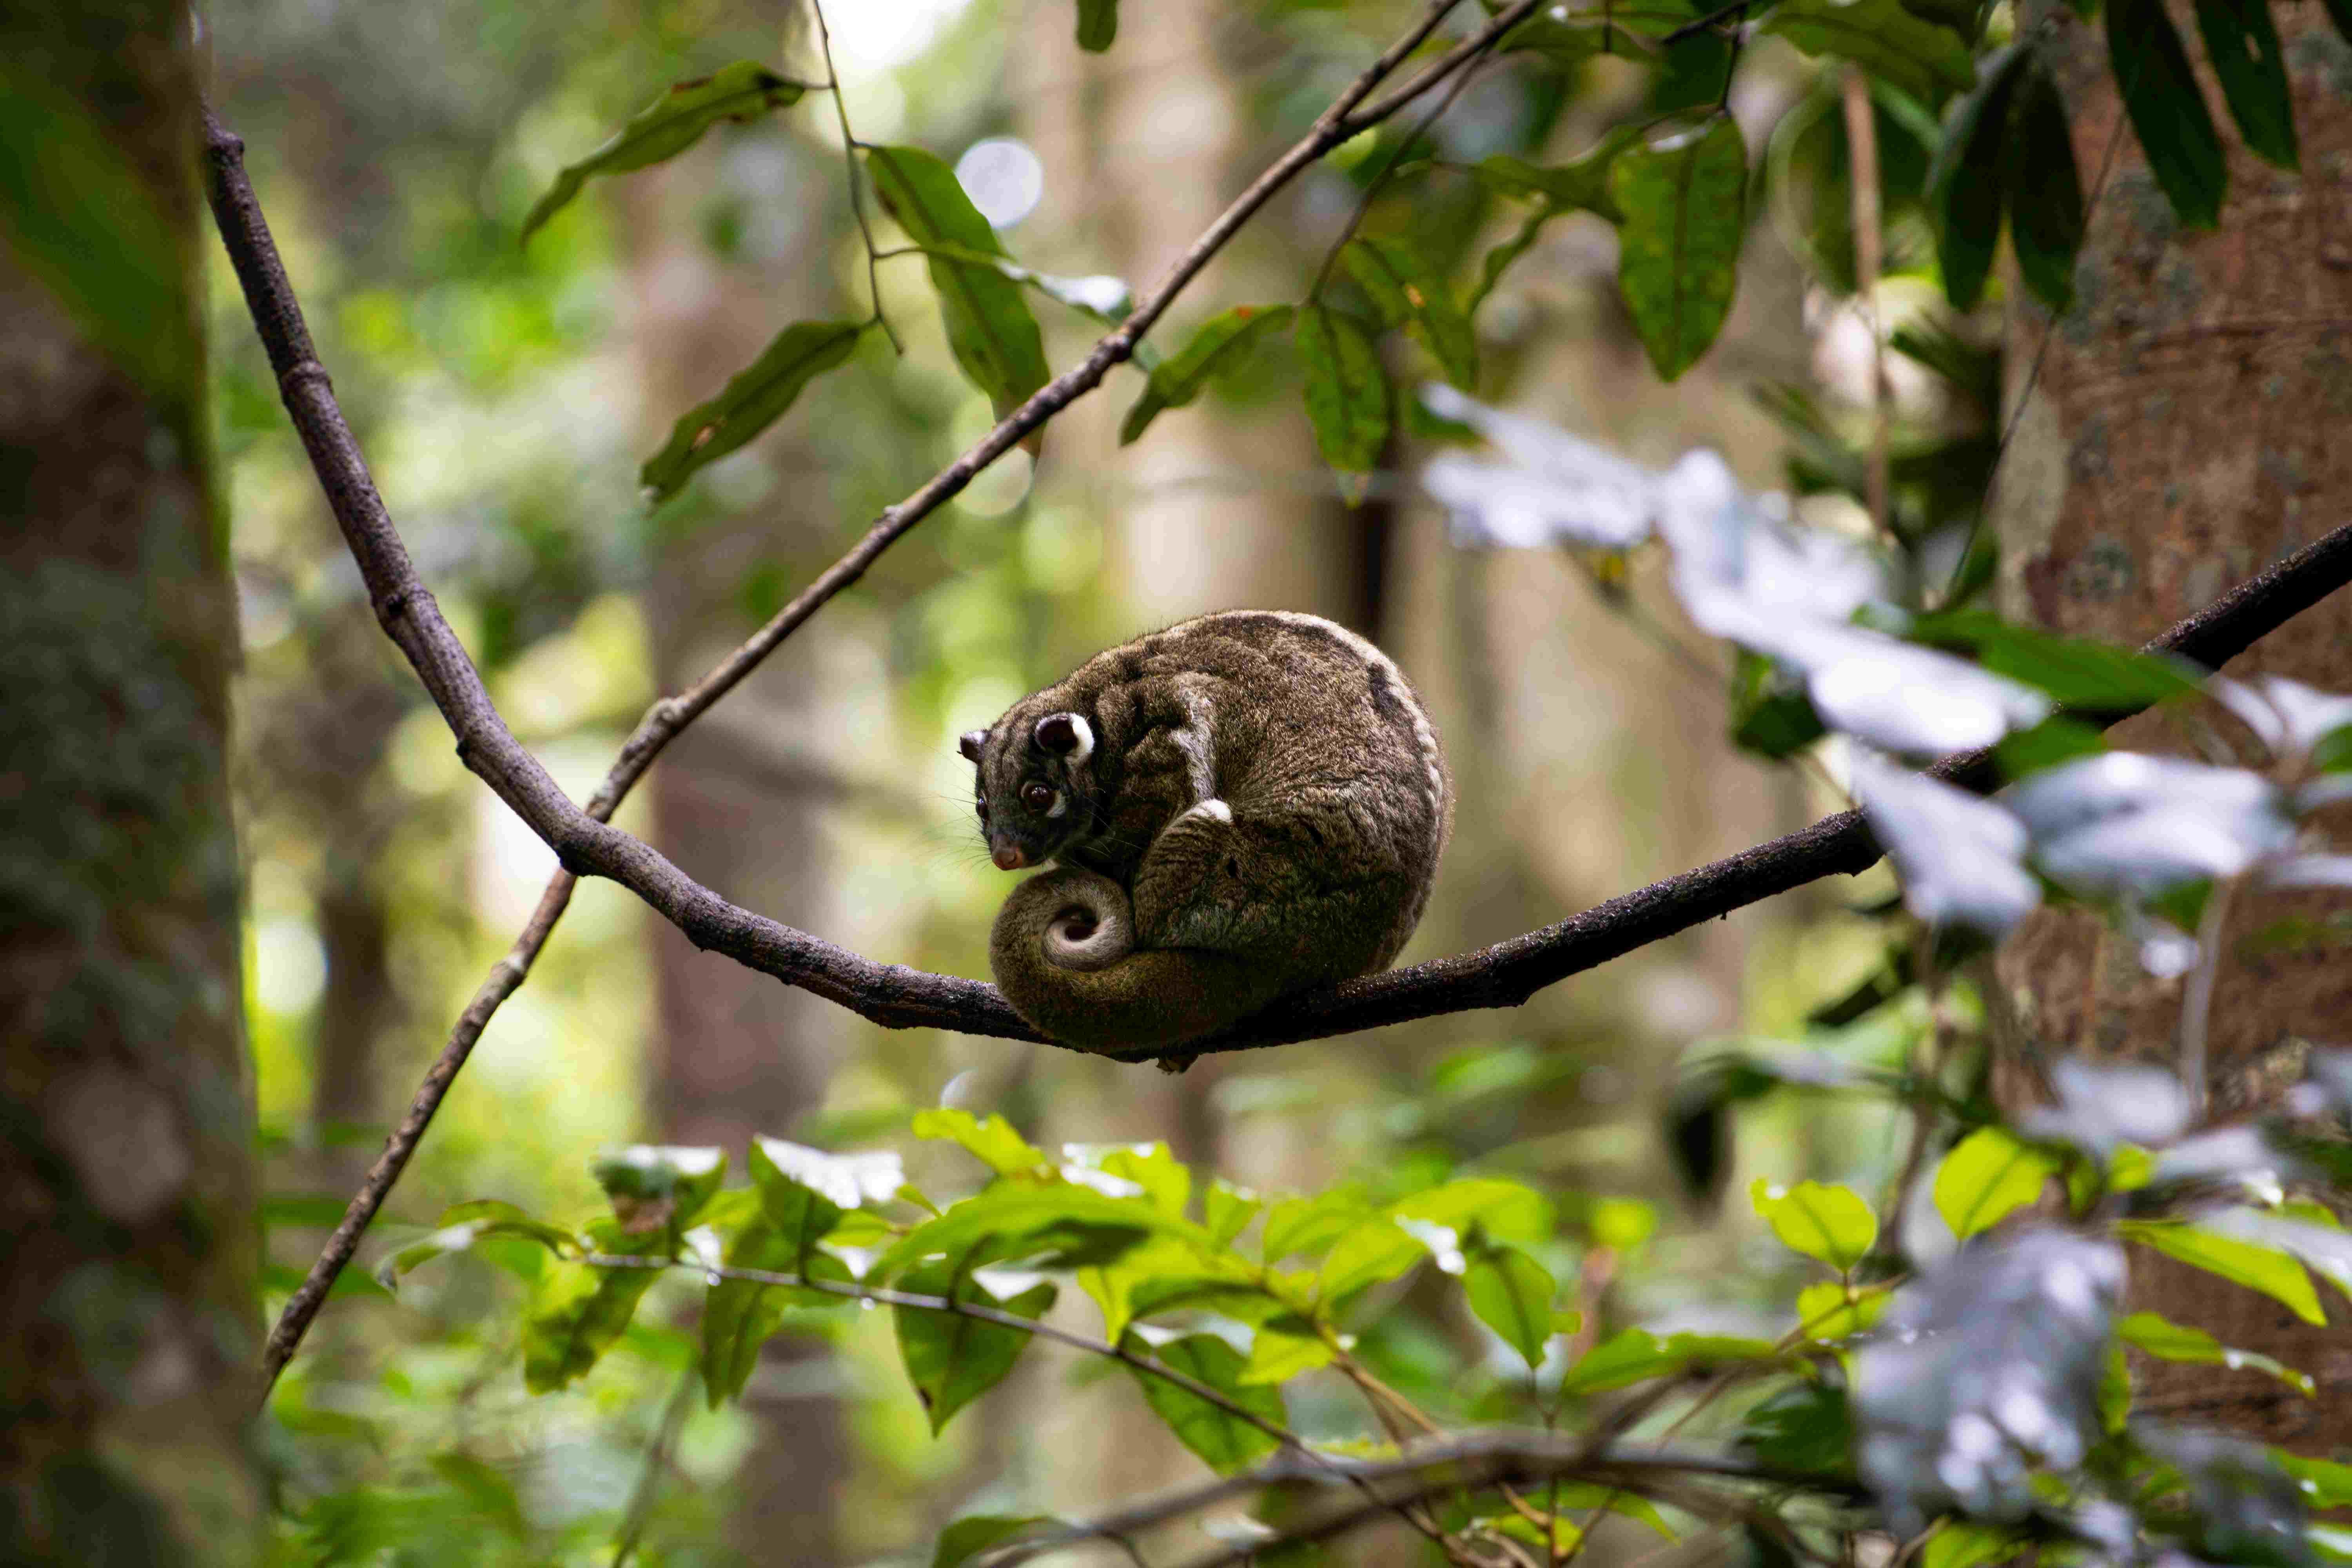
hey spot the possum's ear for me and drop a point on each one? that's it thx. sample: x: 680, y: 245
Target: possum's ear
x: 1066, y: 735
x: 970, y: 743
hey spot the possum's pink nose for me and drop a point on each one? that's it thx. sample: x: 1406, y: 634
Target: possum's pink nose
x: 1008, y: 857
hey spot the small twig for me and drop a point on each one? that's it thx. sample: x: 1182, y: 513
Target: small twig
x: 1861, y: 172
x: 1388, y: 172
x: 1722, y: 13
x: 849, y: 145
x: 657, y: 1453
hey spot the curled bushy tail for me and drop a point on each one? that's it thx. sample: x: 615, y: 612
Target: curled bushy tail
x: 1064, y: 954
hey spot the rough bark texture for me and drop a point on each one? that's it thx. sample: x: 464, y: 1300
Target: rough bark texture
x: 742, y: 799
x: 2182, y: 434
x: 127, y: 1204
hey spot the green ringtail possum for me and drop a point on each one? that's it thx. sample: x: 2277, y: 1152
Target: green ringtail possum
x: 1239, y: 806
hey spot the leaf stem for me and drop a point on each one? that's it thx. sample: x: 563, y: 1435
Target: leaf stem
x: 849, y: 146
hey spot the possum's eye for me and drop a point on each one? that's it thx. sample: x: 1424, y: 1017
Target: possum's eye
x: 1036, y: 796
x: 980, y: 806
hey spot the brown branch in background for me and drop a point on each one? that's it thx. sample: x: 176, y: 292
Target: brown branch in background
x: 888, y: 994
x: 1861, y: 175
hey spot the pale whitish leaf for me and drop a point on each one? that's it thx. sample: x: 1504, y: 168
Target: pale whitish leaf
x: 2125, y: 822
x: 1900, y: 697
x: 1959, y: 857
x: 1558, y: 489
x: 846, y: 1181
x: 2327, y: 1249
x: 2168, y: 1341
x: 1983, y: 1365
x: 1987, y: 1177
x: 1828, y: 1223
x: 2311, y: 871
x: 2101, y: 1106
x: 2285, y: 715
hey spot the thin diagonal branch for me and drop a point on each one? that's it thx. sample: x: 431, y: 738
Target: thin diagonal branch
x: 580, y: 838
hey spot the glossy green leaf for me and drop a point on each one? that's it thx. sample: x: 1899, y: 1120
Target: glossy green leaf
x: 2167, y: 110
x: 1413, y: 296
x: 465, y: 1224
x: 739, y: 1316
x: 994, y: 1142
x: 1921, y: 58
x: 2055, y: 740
x: 1372, y: 1252
x: 2168, y: 1341
x: 1989, y: 1175
x: 1684, y: 201
x: 1829, y: 1224
x: 488, y: 1490
x: 952, y: 1359
x: 1098, y: 24
x: 2264, y: 1268
x: 1580, y: 185
x: 1163, y: 1178
x: 1512, y: 1293
x: 967, y: 1538
x: 756, y: 398
x: 2077, y: 673
x: 1075, y: 1225
x: 1829, y: 1310
x: 1223, y: 1441
x: 1805, y: 1426
x: 1636, y: 1355
x: 1562, y: 44
x: 1282, y: 1348
x: 1222, y: 340
x: 1346, y: 395
x: 578, y: 1310
x: 653, y: 1186
x: 1964, y: 188
x: 2242, y: 44
x: 669, y: 125
x: 2325, y: 1483
x: 990, y: 329
x: 1576, y: 1497
x: 1505, y: 1210
x: 2043, y: 189
x: 1959, y: 1544
x: 1163, y: 1271
x: 1228, y: 1211
x: 1306, y: 1224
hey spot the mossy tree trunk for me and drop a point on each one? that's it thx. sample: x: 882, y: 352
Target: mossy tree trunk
x: 127, y: 1305
x: 2182, y: 433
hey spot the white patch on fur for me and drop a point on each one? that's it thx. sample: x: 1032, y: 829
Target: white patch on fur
x: 1215, y: 810
x: 1061, y: 804
x: 1086, y: 746
x: 1193, y: 738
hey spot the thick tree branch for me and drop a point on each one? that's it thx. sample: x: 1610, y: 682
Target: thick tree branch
x: 888, y: 994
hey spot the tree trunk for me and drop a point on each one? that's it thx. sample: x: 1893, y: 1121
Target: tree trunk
x: 128, y: 1302
x: 2180, y: 436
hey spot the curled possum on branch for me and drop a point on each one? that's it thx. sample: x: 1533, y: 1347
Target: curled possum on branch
x: 1237, y: 807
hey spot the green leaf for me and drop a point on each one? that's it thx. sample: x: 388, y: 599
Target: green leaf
x: 1346, y: 395
x: 2043, y: 189
x: 1634, y: 1355
x: 2167, y: 110
x: 2168, y: 1341
x: 1807, y: 1426
x: 1827, y: 1223
x: 1073, y: 1225
x: 1908, y: 52
x: 990, y: 329
x: 669, y: 125
x: 1222, y: 340
x: 1964, y: 186
x: 1828, y: 1310
x: 1989, y: 1175
x: 1163, y: 1178
x: 739, y: 1316
x: 1962, y: 1546
x: 1506, y: 1211
x: 992, y: 1142
x: 1770, y: 714
x: 2077, y: 673
x: 656, y: 1188
x: 2242, y: 45
x: 578, y: 1310
x: 2274, y: 1273
x: 1223, y: 1441
x: 463, y: 1225
x: 489, y: 1489
x: 949, y: 1358
x: 1512, y: 1293
x: 1229, y: 1210
x: 1412, y: 295
x: 756, y: 398
x: 2055, y: 740
x: 1376, y: 1250
x: 1678, y: 248
x: 1098, y: 24
x: 1284, y: 1347
x: 1579, y: 1496
x: 1580, y: 185
x: 1566, y: 45
x: 967, y: 1538
x: 2324, y: 1484
x: 1303, y: 1225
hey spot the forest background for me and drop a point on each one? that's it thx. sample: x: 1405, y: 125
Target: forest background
x: 507, y: 393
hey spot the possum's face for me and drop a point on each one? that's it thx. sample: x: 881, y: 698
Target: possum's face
x: 1033, y: 784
